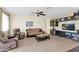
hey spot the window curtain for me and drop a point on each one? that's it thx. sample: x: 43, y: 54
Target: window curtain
x: 5, y: 22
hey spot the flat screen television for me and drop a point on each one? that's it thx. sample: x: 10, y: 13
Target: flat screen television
x: 68, y: 26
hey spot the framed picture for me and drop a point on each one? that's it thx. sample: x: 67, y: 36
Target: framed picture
x: 29, y: 24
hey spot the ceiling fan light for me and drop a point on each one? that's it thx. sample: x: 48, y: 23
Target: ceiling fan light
x: 37, y: 15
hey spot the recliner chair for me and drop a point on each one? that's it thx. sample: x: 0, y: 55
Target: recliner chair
x: 18, y: 33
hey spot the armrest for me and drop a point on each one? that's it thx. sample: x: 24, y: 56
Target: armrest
x: 10, y: 36
x: 1, y: 42
x: 14, y: 38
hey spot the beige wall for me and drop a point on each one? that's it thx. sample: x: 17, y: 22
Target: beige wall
x: 0, y: 19
x: 19, y: 21
x: 48, y: 26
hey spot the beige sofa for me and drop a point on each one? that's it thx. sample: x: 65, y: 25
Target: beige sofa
x: 34, y: 31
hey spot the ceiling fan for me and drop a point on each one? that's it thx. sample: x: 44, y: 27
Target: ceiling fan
x: 38, y: 13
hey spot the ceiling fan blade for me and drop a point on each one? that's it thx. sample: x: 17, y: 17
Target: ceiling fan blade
x: 43, y: 14
x: 38, y: 13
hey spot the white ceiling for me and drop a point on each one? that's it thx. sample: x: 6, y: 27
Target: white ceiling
x: 50, y: 12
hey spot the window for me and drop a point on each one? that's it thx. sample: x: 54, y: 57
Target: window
x: 5, y: 22
x: 29, y: 24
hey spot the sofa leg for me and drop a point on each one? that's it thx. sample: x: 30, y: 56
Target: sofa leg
x: 38, y: 40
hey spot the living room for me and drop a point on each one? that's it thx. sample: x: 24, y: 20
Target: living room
x: 38, y: 20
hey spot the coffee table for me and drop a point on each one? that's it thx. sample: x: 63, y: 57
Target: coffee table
x: 42, y: 37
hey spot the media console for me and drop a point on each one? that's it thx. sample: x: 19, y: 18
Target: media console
x: 70, y: 35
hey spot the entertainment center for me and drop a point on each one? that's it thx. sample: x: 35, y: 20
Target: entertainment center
x: 67, y: 27
x: 70, y: 35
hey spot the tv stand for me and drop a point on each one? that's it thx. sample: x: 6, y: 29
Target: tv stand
x: 70, y: 35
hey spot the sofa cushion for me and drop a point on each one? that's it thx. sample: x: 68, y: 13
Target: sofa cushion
x: 11, y: 43
x: 35, y: 33
x: 3, y: 48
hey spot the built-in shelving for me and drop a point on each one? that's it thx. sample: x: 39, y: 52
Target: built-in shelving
x: 67, y: 34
